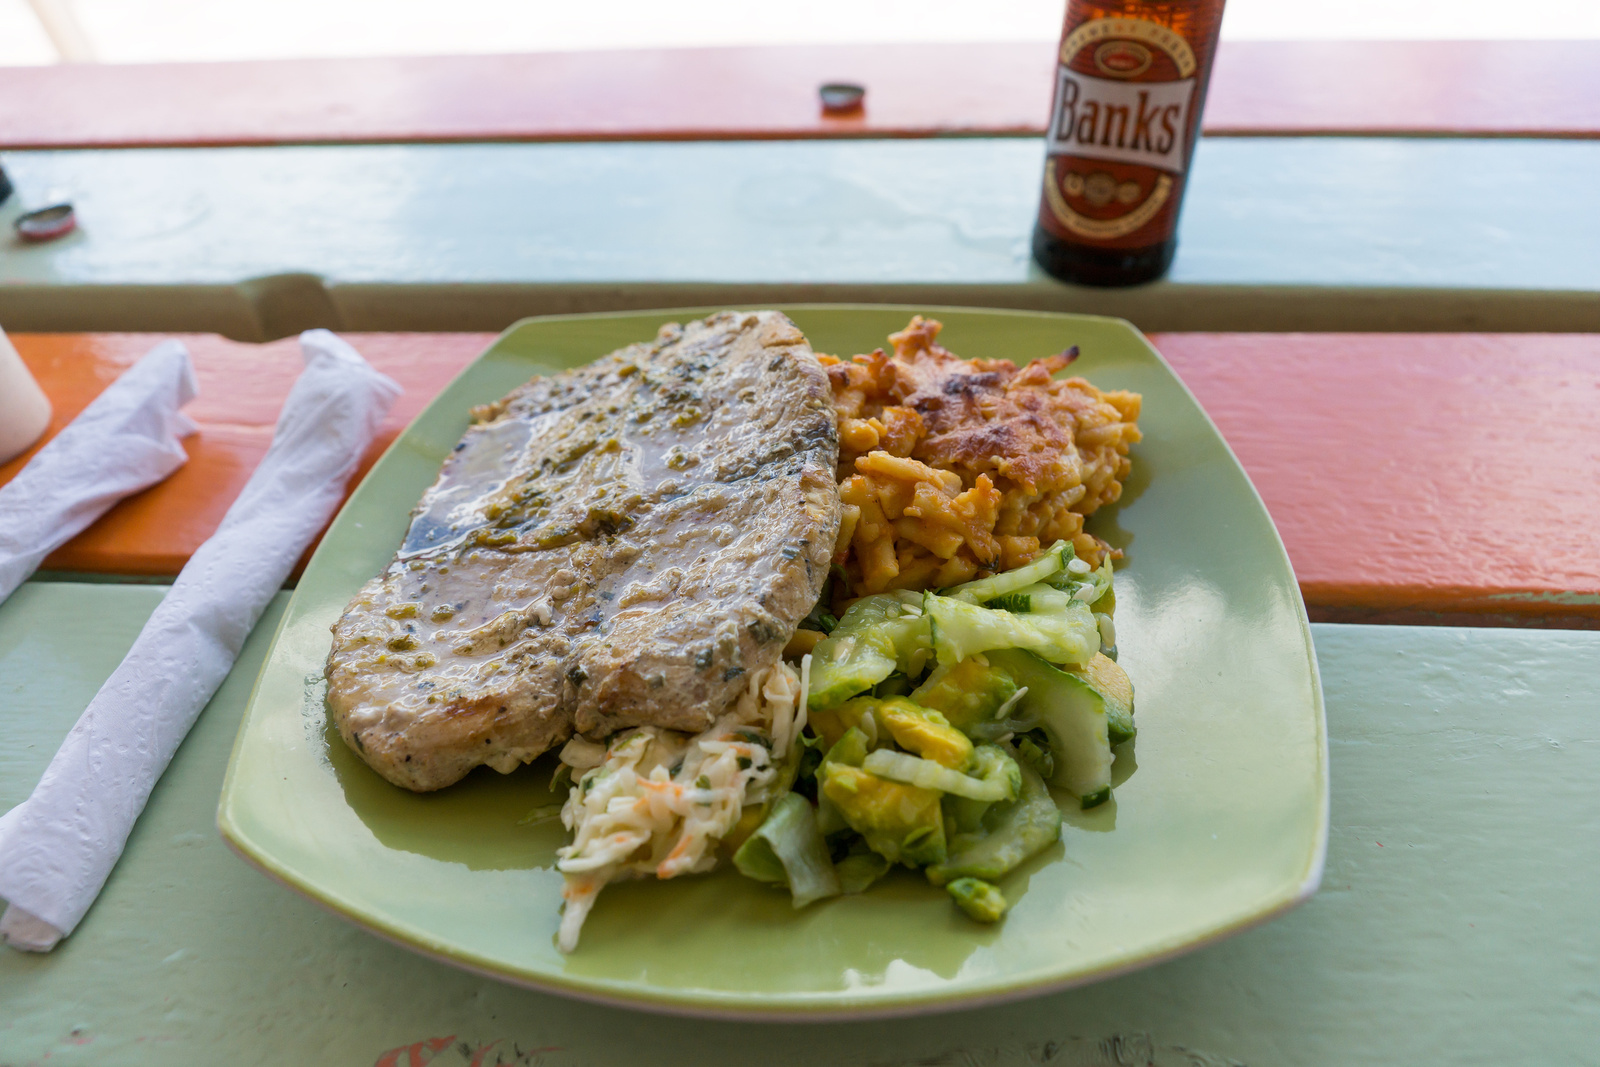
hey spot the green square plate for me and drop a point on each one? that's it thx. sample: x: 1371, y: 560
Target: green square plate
x: 1222, y: 826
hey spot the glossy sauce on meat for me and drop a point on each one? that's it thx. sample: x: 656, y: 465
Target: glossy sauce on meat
x: 608, y: 547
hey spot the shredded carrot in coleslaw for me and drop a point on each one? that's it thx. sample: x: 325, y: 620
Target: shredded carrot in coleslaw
x: 657, y: 801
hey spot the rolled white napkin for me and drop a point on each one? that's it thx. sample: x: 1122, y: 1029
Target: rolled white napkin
x: 58, y: 846
x: 124, y: 441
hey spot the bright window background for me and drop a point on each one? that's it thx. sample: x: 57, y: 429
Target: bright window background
x: 151, y: 31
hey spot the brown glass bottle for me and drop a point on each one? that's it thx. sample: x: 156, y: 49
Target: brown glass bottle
x: 1130, y: 85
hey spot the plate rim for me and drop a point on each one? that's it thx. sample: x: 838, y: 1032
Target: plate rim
x: 767, y: 1007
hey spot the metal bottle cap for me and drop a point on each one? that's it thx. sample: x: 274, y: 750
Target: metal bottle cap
x: 841, y: 98
x: 47, y: 223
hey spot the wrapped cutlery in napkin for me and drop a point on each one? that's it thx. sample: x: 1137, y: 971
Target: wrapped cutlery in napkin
x: 124, y: 441
x: 58, y: 846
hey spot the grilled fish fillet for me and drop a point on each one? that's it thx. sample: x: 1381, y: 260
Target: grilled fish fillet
x: 613, y: 546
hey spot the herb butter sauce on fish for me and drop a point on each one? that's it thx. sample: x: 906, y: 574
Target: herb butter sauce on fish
x: 613, y: 546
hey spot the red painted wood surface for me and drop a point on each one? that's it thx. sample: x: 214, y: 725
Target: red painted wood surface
x: 1466, y: 88
x: 1417, y: 472
x: 1527, y: 88
x: 1410, y: 474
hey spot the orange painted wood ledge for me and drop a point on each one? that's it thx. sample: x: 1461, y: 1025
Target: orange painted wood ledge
x: 1414, y: 477
x: 242, y: 387
x: 1470, y: 88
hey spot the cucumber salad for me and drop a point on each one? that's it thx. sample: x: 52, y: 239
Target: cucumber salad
x: 923, y: 729
x: 932, y: 729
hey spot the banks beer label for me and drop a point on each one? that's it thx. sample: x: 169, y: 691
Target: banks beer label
x: 1119, y: 133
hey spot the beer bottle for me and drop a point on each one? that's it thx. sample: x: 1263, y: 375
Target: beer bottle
x: 1130, y: 84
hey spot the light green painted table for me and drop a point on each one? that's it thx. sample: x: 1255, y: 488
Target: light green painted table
x: 1320, y: 233
x: 1455, y: 924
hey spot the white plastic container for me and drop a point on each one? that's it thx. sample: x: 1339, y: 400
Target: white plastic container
x: 24, y: 409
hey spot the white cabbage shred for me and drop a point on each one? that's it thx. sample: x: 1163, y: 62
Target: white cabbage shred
x: 656, y: 802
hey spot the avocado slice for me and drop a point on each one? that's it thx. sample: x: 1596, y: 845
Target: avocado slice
x: 925, y: 732
x: 902, y: 823
x: 966, y: 693
x: 831, y: 724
